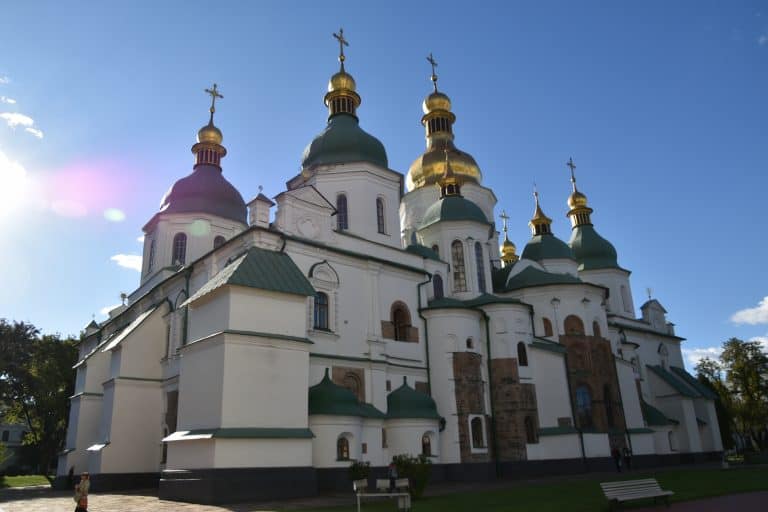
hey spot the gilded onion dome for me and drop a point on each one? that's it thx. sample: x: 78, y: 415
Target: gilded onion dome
x: 438, y: 122
x: 507, y: 248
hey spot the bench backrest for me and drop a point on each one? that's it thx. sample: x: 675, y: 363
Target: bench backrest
x: 613, y: 489
x: 382, y: 484
x: 360, y: 485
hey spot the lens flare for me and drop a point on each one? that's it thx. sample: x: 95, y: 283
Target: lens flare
x: 114, y: 215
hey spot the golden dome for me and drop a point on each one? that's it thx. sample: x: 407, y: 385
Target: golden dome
x: 577, y: 200
x: 430, y: 167
x: 341, y: 81
x: 436, y: 101
x: 538, y: 215
x: 508, y: 248
x: 210, y: 134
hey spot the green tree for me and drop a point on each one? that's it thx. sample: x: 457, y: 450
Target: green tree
x: 741, y: 381
x: 709, y: 374
x: 36, y: 381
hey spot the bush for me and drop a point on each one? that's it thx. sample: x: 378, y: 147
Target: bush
x: 359, y: 470
x: 416, y: 470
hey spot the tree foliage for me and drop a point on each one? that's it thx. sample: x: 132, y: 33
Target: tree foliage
x: 36, y: 381
x: 740, y: 379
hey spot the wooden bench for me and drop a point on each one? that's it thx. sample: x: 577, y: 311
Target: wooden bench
x: 401, y: 492
x: 628, y: 490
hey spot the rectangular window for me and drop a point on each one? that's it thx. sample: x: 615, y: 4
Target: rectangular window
x: 383, y: 438
x: 364, y: 448
x: 380, y: 215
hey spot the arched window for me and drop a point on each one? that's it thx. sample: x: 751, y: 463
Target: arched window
x: 342, y: 448
x: 342, y: 220
x: 218, y: 241
x: 596, y: 329
x: 351, y: 381
x: 470, y: 344
x: 625, y: 299
x: 522, y: 355
x: 321, y: 311
x: 608, y: 405
x: 574, y: 326
x: 530, y: 430
x: 476, y: 427
x: 401, y: 321
x: 480, y: 267
x: 151, y: 259
x: 547, y: 327
x: 437, y: 286
x: 426, y: 445
x: 436, y: 249
x: 459, y: 276
x: 179, y: 249
x: 380, y: 215
x: 663, y: 355
x: 584, y: 406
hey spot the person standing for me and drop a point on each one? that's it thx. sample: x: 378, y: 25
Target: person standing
x: 616, y: 454
x: 392, y: 474
x: 81, y: 493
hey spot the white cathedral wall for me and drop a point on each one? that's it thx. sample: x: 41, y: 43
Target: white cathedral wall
x: 596, y: 445
x: 371, y: 436
x: 197, y: 453
x: 251, y: 309
x: 552, y: 395
x: 363, y: 183
x: 82, y: 432
x: 327, y: 430
x: 206, y: 316
x: 265, y: 383
x: 633, y: 414
x: 448, y: 331
x: 404, y: 436
x: 201, y: 387
x: 643, y: 444
x: 682, y: 410
x: 570, y: 301
x: 262, y: 453
x: 565, y: 446
x: 620, y: 300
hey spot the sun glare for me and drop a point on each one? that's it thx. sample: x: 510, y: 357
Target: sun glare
x: 14, y: 186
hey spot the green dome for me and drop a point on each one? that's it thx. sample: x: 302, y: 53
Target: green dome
x: 546, y: 247
x: 591, y: 250
x: 343, y: 141
x: 406, y: 402
x: 332, y: 399
x: 453, y: 208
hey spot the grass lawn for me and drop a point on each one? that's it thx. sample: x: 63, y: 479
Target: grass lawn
x: 22, y: 481
x: 584, y: 494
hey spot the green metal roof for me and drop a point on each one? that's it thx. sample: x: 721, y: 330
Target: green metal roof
x: 263, y: 269
x: 654, y: 417
x: 343, y: 141
x: 694, y: 383
x: 545, y: 247
x: 481, y: 300
x: 241, y: 433
x: 591, y: 250
x: 423, y: 251
x: 532, y: 276
x: 675, y: 382
x: 334, y: 400
x: 499, y: 276
x: 406, y: 402
x: 557, y: 431
x: 453, y: 208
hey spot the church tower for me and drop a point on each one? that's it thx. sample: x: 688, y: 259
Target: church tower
x: 426, y: 171
x: 199, y: 212
x: 596, y: 256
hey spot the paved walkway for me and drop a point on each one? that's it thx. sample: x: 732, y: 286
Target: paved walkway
x: 747, y: 502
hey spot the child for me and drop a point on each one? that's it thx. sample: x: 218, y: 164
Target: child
x: 81, y: 493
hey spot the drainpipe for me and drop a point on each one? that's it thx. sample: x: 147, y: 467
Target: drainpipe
x: 494, y: 443
x: 184, y: 334
x: 426, y: 333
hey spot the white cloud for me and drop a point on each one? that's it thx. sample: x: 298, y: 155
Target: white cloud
x: 106, y: 309
x: 752, y: 316
x: 14, y: 119
x: 15, y: 185
x: 4, y: 80
x: 694, y: 355
x: 762, y: 40
x: 6, y: 99
x: 34, y: 131
x: 131, y: 261
x: 763, y: 341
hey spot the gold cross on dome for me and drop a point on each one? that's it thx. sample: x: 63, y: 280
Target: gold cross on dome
x: 433, y: 62
x: 342, y: 43
x: 214, y: 92
x: 572, y: 166
x: 504, y: 217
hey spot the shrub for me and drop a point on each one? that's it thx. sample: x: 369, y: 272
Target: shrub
x: 416, y: 470
x: 359, y: 470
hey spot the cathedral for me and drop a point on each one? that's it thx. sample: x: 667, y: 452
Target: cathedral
x: 361, y: 314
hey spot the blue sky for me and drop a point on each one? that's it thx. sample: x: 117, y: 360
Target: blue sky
x: 662, y: 106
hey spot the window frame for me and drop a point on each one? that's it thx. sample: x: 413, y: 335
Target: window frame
x: 522, y: 354
x: 381, y: 224
x: 458, y: 267
x: 342, y: 212
x: 318, y: 308
x: 218, y: 241
x: 343, y: 448
x: 483, y: 447
x: 481, y: 281
x: 179, y: 246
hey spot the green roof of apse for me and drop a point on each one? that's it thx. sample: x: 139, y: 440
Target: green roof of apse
x: 532, y: 276
x: 694, y: 383
x: 406, y: 402
x: 262, y: 269
x: 654, y: 417
x: 329, y: 398
x: 453, y: 208
x: 675, y: 382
